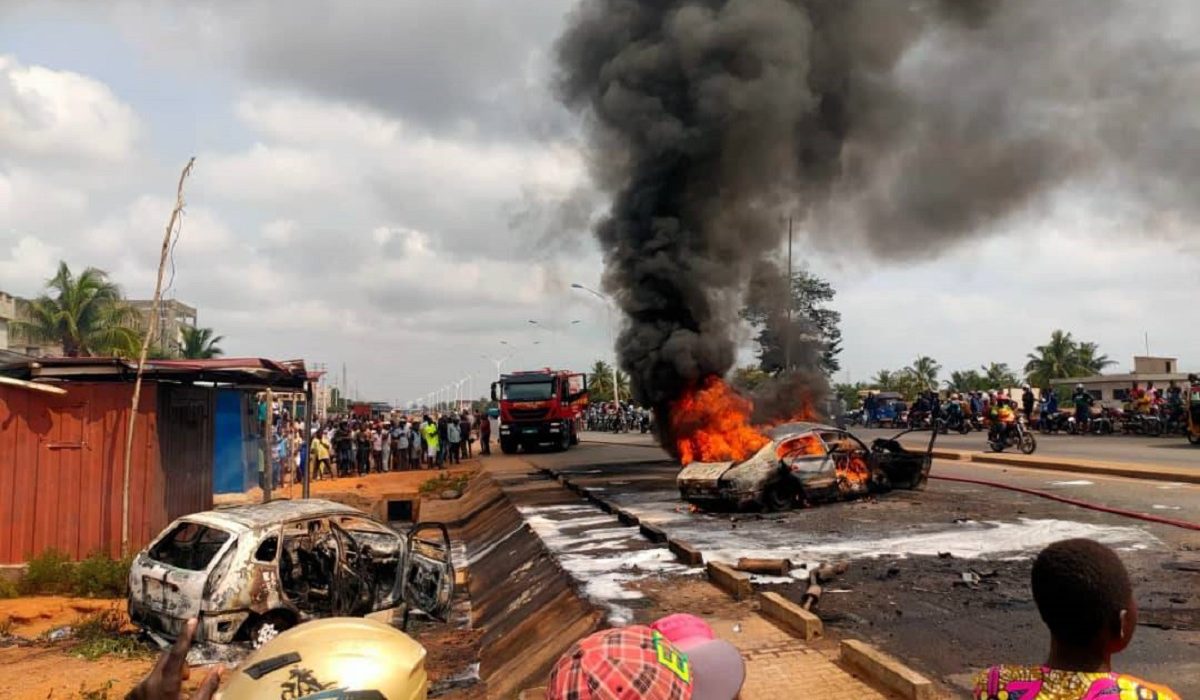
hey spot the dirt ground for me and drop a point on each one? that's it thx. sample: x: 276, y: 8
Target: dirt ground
x: 50, y: 670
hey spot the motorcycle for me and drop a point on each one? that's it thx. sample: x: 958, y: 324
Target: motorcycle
x: 1055, y: 423
x: 955, y: 420
x: 1016, y: 435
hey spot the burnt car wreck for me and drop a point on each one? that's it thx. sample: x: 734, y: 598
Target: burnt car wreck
x: 249, y: 572
x: 805, y: 464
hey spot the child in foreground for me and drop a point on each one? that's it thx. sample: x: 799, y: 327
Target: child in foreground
x: 1084, y: 596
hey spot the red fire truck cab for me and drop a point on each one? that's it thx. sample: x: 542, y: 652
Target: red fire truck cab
x: 541, y: 407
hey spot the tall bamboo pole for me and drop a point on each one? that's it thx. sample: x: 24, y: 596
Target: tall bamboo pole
x: 174, y: 225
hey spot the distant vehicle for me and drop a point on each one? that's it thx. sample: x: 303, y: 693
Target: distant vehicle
x: 806, y: 463
x: 250, y: 572
x: 539, y: 408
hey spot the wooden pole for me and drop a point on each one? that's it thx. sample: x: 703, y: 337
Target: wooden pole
x: 308, y: 437
x: 174, y: 225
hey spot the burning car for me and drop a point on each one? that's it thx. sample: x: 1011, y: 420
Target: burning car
x: 248, y: 572
x: 804, y: 463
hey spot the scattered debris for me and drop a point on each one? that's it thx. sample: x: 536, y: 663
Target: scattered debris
x: 60, y: 633
x: 945, y: 555
x: 773, y: 567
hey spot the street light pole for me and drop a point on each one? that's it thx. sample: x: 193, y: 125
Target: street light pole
x: 611, y: 340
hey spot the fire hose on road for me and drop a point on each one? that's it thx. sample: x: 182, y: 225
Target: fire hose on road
x: 1074, y: 502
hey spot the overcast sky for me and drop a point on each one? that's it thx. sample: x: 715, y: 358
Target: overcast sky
x: 392, y: 186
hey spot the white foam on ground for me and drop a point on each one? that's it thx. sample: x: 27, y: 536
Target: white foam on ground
x: 1077, y: 482
x: 604, y: 560
x: 1158, y: 507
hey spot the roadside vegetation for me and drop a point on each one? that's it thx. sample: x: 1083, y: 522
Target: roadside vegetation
x: 445, y: 481
x: 53, y: 573
x: 103, y: 634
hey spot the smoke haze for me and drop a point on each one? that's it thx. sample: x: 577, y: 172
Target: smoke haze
x: 895, y: 129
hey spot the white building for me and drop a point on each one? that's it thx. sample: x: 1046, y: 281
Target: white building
x: 1113, y: 389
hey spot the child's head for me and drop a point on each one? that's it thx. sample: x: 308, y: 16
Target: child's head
x: 1084, y: 596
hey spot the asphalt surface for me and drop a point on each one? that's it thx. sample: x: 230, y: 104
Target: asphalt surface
x: 1173, y: 451
x: 938, y: 577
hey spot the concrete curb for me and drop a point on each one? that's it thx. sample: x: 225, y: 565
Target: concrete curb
x: 886, y: 671
x: 686, y: 553
x: 1074, y: 466
x: 794, y: 618
x: 653, y: 533
x: 735, y: 583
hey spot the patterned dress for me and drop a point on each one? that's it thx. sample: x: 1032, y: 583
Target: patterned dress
x: 1045, y: 683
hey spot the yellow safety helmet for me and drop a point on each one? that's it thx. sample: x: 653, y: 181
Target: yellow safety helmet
x: 341, y: 657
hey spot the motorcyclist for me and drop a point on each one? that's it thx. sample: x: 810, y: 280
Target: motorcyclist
x: 1049, y: 409
x: 1083, y: 407
x: 1003, y: 416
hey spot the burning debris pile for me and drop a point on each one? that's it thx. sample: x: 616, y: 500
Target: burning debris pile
x: 894, y: 129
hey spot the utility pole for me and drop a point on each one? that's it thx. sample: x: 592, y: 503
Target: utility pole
x: 787, y: 336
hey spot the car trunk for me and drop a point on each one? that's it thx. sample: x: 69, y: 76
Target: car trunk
x: 168, y: 583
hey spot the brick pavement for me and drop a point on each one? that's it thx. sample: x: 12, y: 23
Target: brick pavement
x: 779, y: 665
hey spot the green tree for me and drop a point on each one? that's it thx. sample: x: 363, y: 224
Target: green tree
x: 813, y: 329
x: 1087, y: 358
x: 86, y: 314
x: 748, y: 378
x: 849, y: 394
x: 997, y: 375
x: 924, y: 371
x: 966, y: 380
x: 200, y: 344
x: 1057, y: 359
x: 885, y: 380
x: 600, y: 382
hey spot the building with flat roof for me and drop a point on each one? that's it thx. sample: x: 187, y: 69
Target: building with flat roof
x: 14, y: 308
x: 173, y: 317
x: 1113, y: 389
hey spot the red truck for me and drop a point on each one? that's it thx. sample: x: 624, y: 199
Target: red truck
x: 540, y: 407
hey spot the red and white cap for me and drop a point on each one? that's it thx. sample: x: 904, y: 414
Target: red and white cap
x: 676, y: 658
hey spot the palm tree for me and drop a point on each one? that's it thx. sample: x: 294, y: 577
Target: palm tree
x: 200, y: 344
x: 884, y: 380
x: 600, y: 381
x: 966, y: 380
x: 86, y: 315
x: 1057, y: 359
x: 925, y: 372
x: 997, y: 375
x: 1086, y: 358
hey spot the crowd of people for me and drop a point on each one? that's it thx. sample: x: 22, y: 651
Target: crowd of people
x: 617, y: 417
x: 343, y: 446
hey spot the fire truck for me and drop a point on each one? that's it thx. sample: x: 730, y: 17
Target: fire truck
x: 540, y: 407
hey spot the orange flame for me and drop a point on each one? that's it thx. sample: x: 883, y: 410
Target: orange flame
x: 712, y: 424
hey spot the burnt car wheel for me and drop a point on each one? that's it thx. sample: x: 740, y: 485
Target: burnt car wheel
x: 779, y: 496
x: 264, y: 628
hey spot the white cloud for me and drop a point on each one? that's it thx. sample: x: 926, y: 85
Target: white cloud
x: 56, y: 113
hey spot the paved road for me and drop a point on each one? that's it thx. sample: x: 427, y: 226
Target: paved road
x: 900, y: 594
x: 1173, y: 451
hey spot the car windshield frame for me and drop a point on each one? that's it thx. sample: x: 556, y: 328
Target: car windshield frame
x: 545, y: 391
x: 191, y: 547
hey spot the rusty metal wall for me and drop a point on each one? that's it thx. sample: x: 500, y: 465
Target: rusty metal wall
x: 186, y: 417
x: 61, y: 470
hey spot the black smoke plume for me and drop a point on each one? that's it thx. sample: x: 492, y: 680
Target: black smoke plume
x: 892, y: 128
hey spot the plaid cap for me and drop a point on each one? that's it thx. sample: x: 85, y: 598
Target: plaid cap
x: 627, y: 663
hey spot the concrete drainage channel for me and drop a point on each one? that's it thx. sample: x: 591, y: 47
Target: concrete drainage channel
x: 877, y: 667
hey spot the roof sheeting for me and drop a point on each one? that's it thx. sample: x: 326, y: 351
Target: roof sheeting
x: 246, y: 372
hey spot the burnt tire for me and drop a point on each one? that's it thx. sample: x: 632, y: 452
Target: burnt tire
x: 778, y: 496
x: 260, y: 629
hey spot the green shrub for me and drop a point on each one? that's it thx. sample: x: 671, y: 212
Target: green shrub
x: 458, y: 482
x: 8, y: 589
x: 99, y: 576
x: 51, y: 572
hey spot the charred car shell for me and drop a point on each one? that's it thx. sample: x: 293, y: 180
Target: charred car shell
x: 805, y: 463
x: 246, y: 569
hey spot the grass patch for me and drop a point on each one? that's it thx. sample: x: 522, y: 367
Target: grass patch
x: 444, y: 481
x: 101, y: 634
x: 53, y: 573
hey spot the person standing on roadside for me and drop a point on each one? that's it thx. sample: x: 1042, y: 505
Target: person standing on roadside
x: 453, y: 440
x: 1027, y: 401
x: 464, y: 427
x: 429, y: 431
x: 485, y: 434
x: 319, y: 456
x: 443, y: 438
x: 385, y: 447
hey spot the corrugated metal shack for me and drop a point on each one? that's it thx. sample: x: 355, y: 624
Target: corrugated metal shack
x: 62, y: 442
